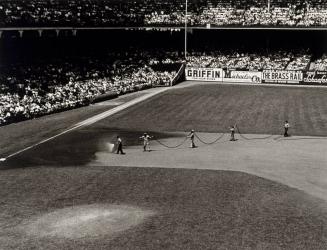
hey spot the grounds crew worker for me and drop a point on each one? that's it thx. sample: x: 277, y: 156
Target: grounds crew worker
x: 119, y: 146
x: 146, y: 139
x: 232, y: 133
x: 286, y: 127
x: 191, y: 135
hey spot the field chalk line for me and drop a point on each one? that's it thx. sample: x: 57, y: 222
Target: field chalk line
x: 93, y: 119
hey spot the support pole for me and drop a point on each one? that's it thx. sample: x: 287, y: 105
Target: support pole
x: 185, y: 45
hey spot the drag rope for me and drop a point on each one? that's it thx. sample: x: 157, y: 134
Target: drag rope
x: 255, y: 138
x: 176, y: 146
x: 216, y: 140
x: 210, y: 143
x: 278, y: 137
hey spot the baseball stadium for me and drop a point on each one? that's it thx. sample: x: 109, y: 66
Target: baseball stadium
x: 187, y: 124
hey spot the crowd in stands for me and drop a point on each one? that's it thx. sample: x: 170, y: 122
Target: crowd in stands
x: 320, y: 64
x: 251, y: 61
x: 160, y: 12
x: 35, y: 90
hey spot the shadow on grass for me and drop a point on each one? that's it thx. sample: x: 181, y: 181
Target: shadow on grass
x: 77, y: 148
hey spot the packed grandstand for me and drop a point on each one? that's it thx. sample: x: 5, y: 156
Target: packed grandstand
x: 32, y: 90
x: 32, y: 85
x: 90, y: 13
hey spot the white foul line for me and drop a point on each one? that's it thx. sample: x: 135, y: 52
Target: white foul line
x: 92, y: 120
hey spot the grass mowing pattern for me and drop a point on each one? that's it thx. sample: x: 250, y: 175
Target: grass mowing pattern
x: 193, y: 209
x: 213, y: 108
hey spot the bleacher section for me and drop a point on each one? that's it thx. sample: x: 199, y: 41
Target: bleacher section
x: 113, y: 13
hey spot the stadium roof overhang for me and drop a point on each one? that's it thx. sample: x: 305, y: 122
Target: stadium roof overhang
x: 163, y: 28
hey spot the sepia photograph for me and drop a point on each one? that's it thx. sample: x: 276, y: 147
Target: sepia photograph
x: 163, y: 124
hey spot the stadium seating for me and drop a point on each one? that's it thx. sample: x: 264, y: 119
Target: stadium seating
x: 251, y: 61
x: 29, y: 91
x: 97, y: 13
x: 320, y: 64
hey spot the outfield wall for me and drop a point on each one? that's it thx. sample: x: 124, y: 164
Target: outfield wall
x: 260, y: 76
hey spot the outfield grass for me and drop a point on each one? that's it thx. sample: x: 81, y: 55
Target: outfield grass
x: 193, y: 209
x: 213, y: 108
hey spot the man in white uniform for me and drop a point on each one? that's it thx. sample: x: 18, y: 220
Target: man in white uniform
x: 146, y: 138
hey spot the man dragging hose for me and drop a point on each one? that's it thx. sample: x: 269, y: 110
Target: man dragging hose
x: 146, y: 138
x: 191, y: 135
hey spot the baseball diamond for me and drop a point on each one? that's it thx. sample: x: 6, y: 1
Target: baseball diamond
x: 256, y: 188
x: 158, y: 125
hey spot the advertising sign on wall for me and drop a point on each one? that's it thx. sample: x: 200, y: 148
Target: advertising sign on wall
x: 242, y: 76
x: 282, y: 76
x: 204, y: 74
x: 315, y: 77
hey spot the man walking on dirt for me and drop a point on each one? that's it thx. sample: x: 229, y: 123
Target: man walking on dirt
x: 191, y: 135
x: 119, y: 146
x: 286, y: 127
x: 232, y: 133
x: 146, y: 138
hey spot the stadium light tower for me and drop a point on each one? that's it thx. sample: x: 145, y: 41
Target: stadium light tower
x: 185, y: 38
